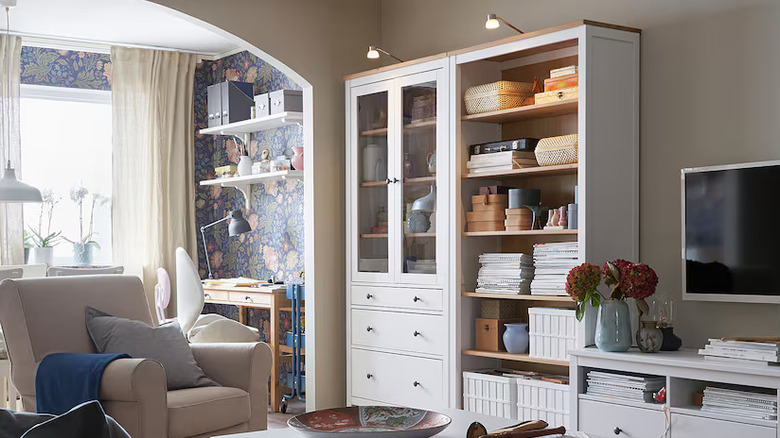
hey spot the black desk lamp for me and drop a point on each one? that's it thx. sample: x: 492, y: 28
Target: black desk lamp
x: 238, y: 225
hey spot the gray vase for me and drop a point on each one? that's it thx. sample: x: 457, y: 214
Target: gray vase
x: 613, y: 326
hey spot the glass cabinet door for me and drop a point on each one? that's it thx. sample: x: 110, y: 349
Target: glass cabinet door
x: 419, y: 165
x: 371, y: 169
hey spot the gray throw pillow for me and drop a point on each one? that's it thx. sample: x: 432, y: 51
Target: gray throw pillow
x: 165, y: 344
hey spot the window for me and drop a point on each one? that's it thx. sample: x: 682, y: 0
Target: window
x: 66, y: 144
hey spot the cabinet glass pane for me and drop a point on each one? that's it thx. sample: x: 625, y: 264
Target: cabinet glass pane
x: 419, y: 182
x: 372, y: 178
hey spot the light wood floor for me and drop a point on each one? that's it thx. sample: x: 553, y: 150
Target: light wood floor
x: 278, y: 420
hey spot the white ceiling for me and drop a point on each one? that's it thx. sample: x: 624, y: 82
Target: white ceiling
x: 133, y: 22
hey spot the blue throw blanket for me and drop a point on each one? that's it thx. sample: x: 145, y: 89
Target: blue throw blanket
x: 65, y: 380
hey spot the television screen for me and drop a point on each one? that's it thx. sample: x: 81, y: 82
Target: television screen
x: 731, y: 240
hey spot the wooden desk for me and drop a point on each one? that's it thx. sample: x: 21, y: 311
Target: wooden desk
x: 273, y: 298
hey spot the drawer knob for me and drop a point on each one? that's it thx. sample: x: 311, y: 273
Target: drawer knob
x: 416, y: 384
x: 416, y: 333
x: 208, y: 297
x: 416, y: 298
x: 369, y: 328
x: 617, y: 431
x: 247, y: 298
x: 369, y: 296
x: 369, y: 375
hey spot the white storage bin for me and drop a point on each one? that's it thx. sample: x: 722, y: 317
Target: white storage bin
x: 489, y: 394
x: 552, y: 332
x: 540, y: 400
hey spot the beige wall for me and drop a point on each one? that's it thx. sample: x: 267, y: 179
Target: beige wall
x: 709, y: 69
x: 321, y: 41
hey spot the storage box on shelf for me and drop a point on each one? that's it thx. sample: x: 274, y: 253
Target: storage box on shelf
x: 543, y: 400
x: 552, y: 332
x: 490, y: 392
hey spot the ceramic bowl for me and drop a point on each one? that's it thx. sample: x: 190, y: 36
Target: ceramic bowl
x: 370, y: 422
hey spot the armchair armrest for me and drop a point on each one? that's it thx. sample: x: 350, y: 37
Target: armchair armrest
x: 134, y: 393
x: 243, y: 365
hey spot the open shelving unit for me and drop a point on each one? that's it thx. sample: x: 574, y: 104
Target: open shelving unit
x: 258, y: 124
x: 244, y: 183
x: 607, y: 128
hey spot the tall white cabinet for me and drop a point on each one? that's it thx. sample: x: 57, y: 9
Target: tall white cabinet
x: 398, y: 230
x: 411, y: 295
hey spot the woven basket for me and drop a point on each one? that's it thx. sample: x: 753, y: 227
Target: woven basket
x: 497, y: 96
x: 552, y: 151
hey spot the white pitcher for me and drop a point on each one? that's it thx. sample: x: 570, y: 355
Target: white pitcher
x: 374, y: 163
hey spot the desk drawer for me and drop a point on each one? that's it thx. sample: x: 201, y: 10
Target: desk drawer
x: 239, y: 297
x: 216, y: 295
x: 398, y: 379
x: 404, y: 298
x: 599, y: 419
x: 689, y: 426
x: 400, y: 331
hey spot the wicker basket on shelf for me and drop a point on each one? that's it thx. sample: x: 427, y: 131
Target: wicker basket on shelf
x: 496, y: 96
x: 553, y: 151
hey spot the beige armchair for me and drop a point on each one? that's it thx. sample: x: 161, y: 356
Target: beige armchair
x: 46, y: 315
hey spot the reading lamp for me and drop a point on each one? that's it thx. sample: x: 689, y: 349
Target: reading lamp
x: 373, y: 53
x: 238, y: 225
x: 494, y: 21
x: 11, y: 189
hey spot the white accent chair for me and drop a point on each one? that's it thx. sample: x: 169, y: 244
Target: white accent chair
x: 29, y: 271
x: 189, y: 305
x: 162, y: 295
x: 62, y: 271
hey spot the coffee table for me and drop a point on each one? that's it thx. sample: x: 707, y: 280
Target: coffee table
x: 457, y: 429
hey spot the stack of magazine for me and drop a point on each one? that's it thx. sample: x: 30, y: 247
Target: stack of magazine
x: 743, y: 351
x: 626, y: 386
x: 505, y: 273
x: 553, y: 261
x: 740, y: 403
x: 501, y: 161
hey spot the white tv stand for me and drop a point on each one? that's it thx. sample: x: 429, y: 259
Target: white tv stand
x: 686, y: 373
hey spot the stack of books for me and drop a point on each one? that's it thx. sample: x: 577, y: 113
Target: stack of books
x: 501, y: 162
x: 750, y: 404
x: 553, y: 261
x: 627, y: 386
x: 748, y: 351
x: 505, y: 273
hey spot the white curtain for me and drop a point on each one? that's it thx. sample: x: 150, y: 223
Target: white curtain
x: 153, y: 161
x: 11, y: 220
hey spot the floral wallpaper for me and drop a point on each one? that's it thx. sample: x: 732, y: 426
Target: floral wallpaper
x: 66, y: 68
x: 275, y: 246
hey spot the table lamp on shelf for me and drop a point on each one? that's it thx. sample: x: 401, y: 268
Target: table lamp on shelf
x: 238, y: 225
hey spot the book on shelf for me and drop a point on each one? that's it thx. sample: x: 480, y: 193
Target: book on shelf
x: 738, y: 402
x: 741, y: 351
x: 624, y: 386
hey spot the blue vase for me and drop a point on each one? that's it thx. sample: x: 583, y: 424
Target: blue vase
x: 613, y: 326
x: 516, y: 338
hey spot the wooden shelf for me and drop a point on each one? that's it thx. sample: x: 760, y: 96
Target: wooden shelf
x: 520, y: 233
x: 420, y: 124
x: 420, y: 180
x: 412, y: 235
x: 542, y: 298
x: 503, y: 355
x: 374, y: 236
x: 289, y: 309
x: 256, y: 125
x: 288, y: 350
x: 526, y: 112
x: 235, y: 181
x: 562, y: 169
x: 373, y: 184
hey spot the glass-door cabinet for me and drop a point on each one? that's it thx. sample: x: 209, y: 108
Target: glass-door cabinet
x: 397, y: 177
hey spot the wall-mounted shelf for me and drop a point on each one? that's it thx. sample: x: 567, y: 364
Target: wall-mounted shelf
x: 503, y: 355
x: 243, y: 183
x: 538, y: 298
x: 561, y: 169
x: 258, y: 124
x: 520, y: 233
x: 526, y: 112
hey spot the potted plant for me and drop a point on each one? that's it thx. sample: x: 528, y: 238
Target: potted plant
x: 625, y: 280
x: 41, y: 241
x: 83, y: 246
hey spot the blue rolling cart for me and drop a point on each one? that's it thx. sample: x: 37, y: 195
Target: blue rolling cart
x: 295, y: 339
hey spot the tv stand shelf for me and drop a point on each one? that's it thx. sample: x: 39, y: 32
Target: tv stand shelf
x: 686, y: 373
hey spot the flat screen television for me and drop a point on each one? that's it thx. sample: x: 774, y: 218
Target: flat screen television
x: 731, y: 232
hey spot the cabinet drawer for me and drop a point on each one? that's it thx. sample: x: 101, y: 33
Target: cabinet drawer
x: 399, y: 331
x: 689, y: 426
x: 599, y: 419
x: 250, y: 298
x: 398, y: 379
x: 414, y: 299
x: 216, y: 295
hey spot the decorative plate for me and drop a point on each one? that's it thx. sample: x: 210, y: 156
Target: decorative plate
x: 370, y: 422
